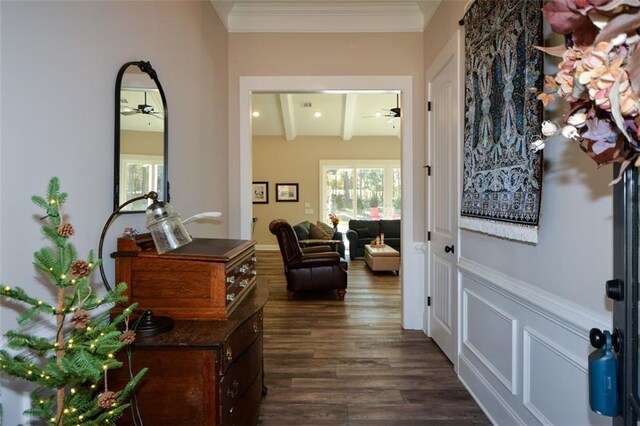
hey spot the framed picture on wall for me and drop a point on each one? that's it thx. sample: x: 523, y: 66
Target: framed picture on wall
x: 260, y: 193
x: 286, y: 192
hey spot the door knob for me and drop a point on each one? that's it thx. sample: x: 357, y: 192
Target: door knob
x: 449, y: 249
x: 597, y: 339
x: 615, y: 289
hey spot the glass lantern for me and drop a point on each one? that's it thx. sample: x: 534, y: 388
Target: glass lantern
x: 166, y: 227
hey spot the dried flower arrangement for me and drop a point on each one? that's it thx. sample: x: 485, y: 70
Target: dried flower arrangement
x: 599, y: 76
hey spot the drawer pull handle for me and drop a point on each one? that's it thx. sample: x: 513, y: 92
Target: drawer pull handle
x: 229, y: 354
x: 231, y: 279
x: 231, y: 297
x: 254, y: 272
x: 244, y: 269
x: 255, y: 327
x: 253, y: 258
x: 232, y: 391
x: 243, y: 283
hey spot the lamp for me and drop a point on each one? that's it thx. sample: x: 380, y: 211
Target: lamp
x: 149, y: 324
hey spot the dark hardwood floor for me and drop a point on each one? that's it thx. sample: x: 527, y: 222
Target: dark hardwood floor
x: 350, y: 363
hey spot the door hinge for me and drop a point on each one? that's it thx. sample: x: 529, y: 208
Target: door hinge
x: 429, y: 301
x: 429, y: 106
x: 428, y: 170
x: 428, y: 235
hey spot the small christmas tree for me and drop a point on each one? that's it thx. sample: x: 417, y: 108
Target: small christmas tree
x: 70, y: 368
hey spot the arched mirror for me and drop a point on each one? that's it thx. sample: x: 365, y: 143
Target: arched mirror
x: 141, y: 136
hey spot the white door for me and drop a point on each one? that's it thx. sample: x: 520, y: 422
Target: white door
x: 444, y: 136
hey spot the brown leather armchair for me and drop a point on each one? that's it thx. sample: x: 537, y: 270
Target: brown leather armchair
x: 310, y: 270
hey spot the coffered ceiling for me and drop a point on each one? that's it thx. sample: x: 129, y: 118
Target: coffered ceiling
x: 344, y: 115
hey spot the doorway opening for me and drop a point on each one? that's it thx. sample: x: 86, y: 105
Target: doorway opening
x: 241, y: 163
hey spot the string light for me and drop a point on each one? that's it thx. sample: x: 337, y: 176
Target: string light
x: 63, y: 276
x: 73, y: 390
x: 7, y: 288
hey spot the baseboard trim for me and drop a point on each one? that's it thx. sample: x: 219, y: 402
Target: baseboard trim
x: 493, y: 405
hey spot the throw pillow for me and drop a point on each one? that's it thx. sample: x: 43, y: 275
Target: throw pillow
x: 317, y: 233
x: 302, y: 230
x: 364, y: 233
x: 327, y: 229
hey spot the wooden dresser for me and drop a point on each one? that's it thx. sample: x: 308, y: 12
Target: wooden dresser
x: 201, y: 372
x: 207, y: 370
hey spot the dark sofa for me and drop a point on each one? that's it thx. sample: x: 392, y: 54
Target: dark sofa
x: 361, y: 232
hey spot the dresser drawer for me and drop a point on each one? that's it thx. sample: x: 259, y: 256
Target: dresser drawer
x: 247, y: 410
x: 242, y: 270
x: 240, y: 340
x: 241, y: 375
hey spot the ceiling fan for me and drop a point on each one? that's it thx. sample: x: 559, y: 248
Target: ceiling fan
x: 141, y: 109
x: 391, y: 113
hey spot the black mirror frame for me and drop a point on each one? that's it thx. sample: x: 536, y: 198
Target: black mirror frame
x: 145, y: 67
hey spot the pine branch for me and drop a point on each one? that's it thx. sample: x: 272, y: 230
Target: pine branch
x: 21, y: 341
x: 130, y: 387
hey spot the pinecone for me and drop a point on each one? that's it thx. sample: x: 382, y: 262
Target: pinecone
x: 65, y: 230
x: 80, y: 318
x: 106, y: 399
x: 80, y: 268
x: 128, y: 337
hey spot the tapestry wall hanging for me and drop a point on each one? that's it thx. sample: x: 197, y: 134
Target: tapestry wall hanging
x: 502, y: 179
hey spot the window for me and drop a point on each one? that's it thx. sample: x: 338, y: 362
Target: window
x: 360, y: 189
x: 140, y: 174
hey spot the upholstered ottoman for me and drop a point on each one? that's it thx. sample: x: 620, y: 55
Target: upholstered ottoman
x: 382, y: 258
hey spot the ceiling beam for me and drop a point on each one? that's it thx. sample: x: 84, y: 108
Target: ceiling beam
x: 349, y: 115
x: 288, y: 120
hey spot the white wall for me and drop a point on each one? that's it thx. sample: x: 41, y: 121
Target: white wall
x: 59, y: 63
x: 526, y: 310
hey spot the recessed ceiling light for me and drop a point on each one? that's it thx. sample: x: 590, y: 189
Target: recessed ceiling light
x: 256, y: 113
x: 317, y: 114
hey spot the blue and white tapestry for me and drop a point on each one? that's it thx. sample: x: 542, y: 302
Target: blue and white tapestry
x: 502, y: 179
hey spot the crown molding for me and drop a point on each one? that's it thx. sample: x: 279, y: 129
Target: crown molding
x: 325, y: 16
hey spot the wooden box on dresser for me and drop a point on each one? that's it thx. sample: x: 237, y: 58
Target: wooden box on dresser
x: 204, y: 371
x: 205, y: 279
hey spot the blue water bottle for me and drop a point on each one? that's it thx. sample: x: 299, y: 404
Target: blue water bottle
x: 603, y: 375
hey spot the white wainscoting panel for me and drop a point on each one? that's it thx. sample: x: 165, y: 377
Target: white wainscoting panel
x: 490, y: 334
x: 544, y: 359
x: 523, y: 352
